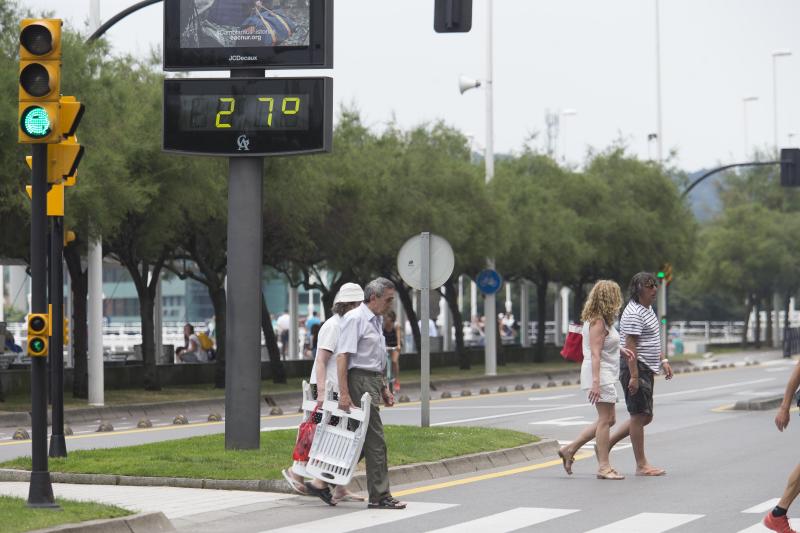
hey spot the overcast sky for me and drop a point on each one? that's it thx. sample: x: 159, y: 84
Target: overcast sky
x: 595, y: 57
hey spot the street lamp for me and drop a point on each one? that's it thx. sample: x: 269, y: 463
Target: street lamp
x: 465, y: 84
x: 745, y: 100
x: 569, y: 112
x: 775, y: 55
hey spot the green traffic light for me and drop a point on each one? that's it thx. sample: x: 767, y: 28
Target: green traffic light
x: 35, y: 122
x: 660, y: 275
x: 37, y: 345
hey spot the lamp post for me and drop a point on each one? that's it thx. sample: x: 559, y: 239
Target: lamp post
x: 569, y: 112
x: 775, y: 55
x: 465, y: 84
x: 659, y: 136
x: 745, y: 100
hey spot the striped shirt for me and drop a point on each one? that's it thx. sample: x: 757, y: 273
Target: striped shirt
x: 642, y: 322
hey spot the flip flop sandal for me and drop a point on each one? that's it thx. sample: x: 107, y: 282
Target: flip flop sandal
x: 567, y: 461
x: 323, y: 494
x: 296, y: 486
x: 387, y: 503
x: 653, y: 473
x: 610, y: 473
x: 349, y: 497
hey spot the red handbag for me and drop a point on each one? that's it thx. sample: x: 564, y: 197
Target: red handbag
x: 573, y: 345
x: 305, y: 438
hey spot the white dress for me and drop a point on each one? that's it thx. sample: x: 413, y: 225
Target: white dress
x: 609, y: 364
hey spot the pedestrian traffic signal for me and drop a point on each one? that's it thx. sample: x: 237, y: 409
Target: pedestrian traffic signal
x: 451, y: 16
x: 55, y: 199
x: 64, y: 157
x: 39, y: 80
x: 38, y: 334
x: 790, y: 167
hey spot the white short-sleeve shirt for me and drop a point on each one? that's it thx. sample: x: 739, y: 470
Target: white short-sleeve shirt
x: 362, y: 340
x: 328, y: 339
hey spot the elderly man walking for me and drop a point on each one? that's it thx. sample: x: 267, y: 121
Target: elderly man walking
x: 361, y: 363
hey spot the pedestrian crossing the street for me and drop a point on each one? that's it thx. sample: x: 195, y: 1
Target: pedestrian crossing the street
x: 521, y: 518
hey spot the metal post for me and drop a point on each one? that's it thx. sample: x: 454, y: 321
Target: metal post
x: 473, y: 299
x: 69, y: 305
x: 291, y: 352
x: 558, y: 315
x: 95, y: 316
x: 446, y: 332
x: 524, y: 313
x: 243, y: 339
x: 489, y: 308
x: 661, y: 305
x: 425, y: 340
x: 2, y: 293
x: 158, y: 324
x: 40, y: 492
x: 94, y: 313
x: 659, y: 142
x: 58, y: 446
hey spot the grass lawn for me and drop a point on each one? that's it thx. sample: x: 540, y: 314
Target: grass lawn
x: 206, y: 458
x: 17, y: 516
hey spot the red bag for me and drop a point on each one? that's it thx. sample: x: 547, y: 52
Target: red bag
x: 305, y: 437
x: 573, y: 345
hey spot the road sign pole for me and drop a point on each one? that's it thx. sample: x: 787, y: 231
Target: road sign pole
x: 661, y: 305
x: 425, y: 340
x: 58, y: 446
x: 40, y: 492
x: 243, y: 339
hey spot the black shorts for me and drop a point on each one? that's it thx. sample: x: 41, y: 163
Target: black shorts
x: 640, y: 403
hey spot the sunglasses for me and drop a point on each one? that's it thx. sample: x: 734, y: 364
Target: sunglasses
x: 650, y: 285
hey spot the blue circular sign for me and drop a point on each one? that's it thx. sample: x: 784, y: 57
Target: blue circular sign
x: 489, y: 281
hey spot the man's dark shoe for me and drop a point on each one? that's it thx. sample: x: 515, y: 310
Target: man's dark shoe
x: 387, y: 503
x: 323, y: 494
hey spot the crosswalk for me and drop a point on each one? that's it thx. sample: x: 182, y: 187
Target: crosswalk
x: 522, y: 518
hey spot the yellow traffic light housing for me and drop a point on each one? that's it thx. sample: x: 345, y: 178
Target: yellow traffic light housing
x: 39, y: 80
x: 66, y: 331
x: 38, y: 334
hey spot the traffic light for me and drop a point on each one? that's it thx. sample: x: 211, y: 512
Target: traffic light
x: 790, y: 167
x: 39, y: 80
x: 665, y: 274
x: 66, y: 331
x: 55, y: 200
x: 38, y: 334
x: 64, y: 157
x: 452, y: 16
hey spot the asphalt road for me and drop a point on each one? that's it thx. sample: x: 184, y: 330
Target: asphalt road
x: 725, y: 467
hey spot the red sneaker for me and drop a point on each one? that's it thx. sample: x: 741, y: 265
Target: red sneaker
x: 778, y: 523
x: 396, y: 386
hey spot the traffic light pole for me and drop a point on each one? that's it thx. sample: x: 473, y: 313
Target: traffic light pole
x: 243, y: 339
x: 40, y: 492
x: 58, y: 446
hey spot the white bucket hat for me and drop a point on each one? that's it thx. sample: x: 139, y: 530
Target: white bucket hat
x: 349, y: 292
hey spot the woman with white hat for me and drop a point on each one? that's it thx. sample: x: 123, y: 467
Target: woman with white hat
x: 323, y: 373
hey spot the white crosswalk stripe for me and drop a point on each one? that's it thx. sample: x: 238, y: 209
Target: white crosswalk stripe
x: 763, y: 507
x: 363, y: 519
x: 761, y: 528
x: 650, y: 522
x: 507, y: 521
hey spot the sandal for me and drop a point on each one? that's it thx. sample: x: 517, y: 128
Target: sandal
x: 609, y: 473
x: 296, y: 486
x: 323, y: 494
x: 387, y: 503
x: 567, y: 461
x: 348, y: 497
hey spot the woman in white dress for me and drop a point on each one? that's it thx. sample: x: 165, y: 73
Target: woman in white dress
x: 599, y: 374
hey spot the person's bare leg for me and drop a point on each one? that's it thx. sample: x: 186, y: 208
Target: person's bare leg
x: 622, y: 431
x: 568, y: 451
x: 605, y: 419
x: 643, y: 468
x: 792, y: 489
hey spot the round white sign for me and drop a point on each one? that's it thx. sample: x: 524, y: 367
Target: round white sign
x: 409, y: 261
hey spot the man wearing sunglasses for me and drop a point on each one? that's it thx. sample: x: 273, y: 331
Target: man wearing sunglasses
x: 639, y: 332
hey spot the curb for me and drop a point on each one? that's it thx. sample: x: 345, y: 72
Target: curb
x: 138, y: 523
x: 398, y: 475
x: 758, y: 404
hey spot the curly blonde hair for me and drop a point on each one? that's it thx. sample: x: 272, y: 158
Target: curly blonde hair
x: 604, y: 301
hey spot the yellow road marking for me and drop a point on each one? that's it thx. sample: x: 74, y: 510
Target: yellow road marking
x: 482, y: 477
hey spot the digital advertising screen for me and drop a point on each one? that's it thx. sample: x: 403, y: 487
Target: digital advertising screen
x: 242, y: 34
